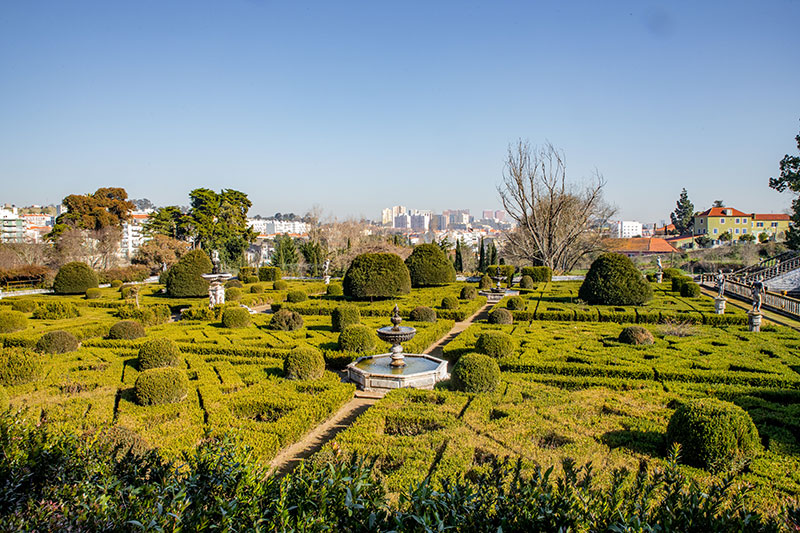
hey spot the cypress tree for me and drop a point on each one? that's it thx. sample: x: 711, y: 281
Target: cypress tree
x: 492, y: 254
x: 459, y: 262
x: 482, y: 259
x: 683, y: 216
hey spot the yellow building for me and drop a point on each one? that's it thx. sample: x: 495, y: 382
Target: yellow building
x: 716, y: 221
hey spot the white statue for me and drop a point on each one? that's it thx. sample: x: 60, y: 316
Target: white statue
x: 658, y: 260
x: 721, y: 284
x: 325, y: 274
x: 757, y: 291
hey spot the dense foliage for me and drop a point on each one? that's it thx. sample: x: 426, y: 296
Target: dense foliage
x: 304, y: 363
x: 58, y: 341
x: 126, y: 330
x: 343, y: 316
x: 286, y: 320
x: 184, y: 279
x: 93, y: 293
x: 235, y: 317
x: 23, y: 306
x: 56, y: 311
x: 18, y: 366
x: 381, y: 275
x: 280, y: 285
x: 613, y: 279
x: 357, y: 338
x: 449, y: 302
x: 515, y: 303
x: 158, y: 352
x: 538, y: 274
x: 234, y: 294
x: 636, y: 335
x: 475, y: 372
x: 501, y: 316
x: 495, y: 344
x: 11, y: 321
x: 269, y: 273
x: 429, y: 266
x: 690, y: 290
x: 163, y: 385
x: 334, y: 290
x: 468, y: 292
x: 422, y: 314
x: 485, y: 282
x: 790, y: 179
x: 296, y: 297
x: 526, y: 282
x: 75, y: 278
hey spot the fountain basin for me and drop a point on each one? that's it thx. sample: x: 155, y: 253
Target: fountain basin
x: 375, y: 372
x: 493, y: 295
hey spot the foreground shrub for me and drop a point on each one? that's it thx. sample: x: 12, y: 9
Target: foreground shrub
x: 540, y: 274
x: 485, y: 282
x: 304, y: 363
x: 526, y: 282
x: 23, y: 306
x: 381, y: 275
x: 258, y: 288
x: 636, y: 335
x: 93, y: 294
x: 268, y: 273
x: 246, y: 272
x: 501, y: 316
x: 613, y: 279
x: 280, y: 285
x: 58, y: 341
x: 343, y: 316
x: 690, y: 290
x: 158, y: 386
x: 429, y: 266
x: 677, y: 283
x: 422, y: 314
x: 515, y: 303
x: 233, y: 284
x: 11, y: 321
x: 156, y: 353
x: 670, y: 273
x: 296, y: 297
x: 475, y: 372
x: 235, y: 317
x: 449, y: 302
x: 18, y: 366
x: 184, y: 280
x: 75, y: 278
x: 234, y: 294
x: 334, y: 290
x: 286, y: 320
x: 56, y: 311
x: 468, y: 293
x: 495, y: 344
x: 713, y: 433
x: 250, y: 279
x: 357, y: 338
x: 126, y: 330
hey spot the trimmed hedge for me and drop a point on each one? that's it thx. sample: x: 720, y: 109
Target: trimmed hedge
x: 93, y: 293
x: 233, y: 284
x: 515, y: 303
x: 23, y: 306
x: 357, y: 338
x: 116, y: 283
x: 468, y: 293
x: 286, y: 320
x: 296, y: 297
x: 501, y: 316
x: 75, y: 278
x: 184, y: 280
x: 258, y: 288
x: 526, y: 282
x: 422, y: 314
x: 485, y: 282
x: 234, y: 294
x: 280, y: 285
x: 636, y: 335
x: 428, y: 266
x: 235, y: 317
x: 475, y: 372
x: 538, y: 274
x: 613, y: 279
x: 158, y: 386
x: 157, y: 353
x: 690, y: 289
x: 148, y: 315
x: 380, y: 275
x: 18, y: 366
x: 268, y: 273
x: 56, y: 311
x: 343, y: 316
x: 304, y: 363
x: 334, y: 290
x: 495, y: 344
x: 670, y: 273
x: 11, y: 321
x: 449, y: 302
x: 58, y: 341
x: 678, y: 282
x: 126, y: 330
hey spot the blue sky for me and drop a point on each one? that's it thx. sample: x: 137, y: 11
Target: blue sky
x: 354, y: 106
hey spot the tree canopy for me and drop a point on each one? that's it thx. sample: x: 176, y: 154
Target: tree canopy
x: 683, y: 216
x: 107, y: 207
x: 790, y: 179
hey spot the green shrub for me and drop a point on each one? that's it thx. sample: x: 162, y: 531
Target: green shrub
x: 235, y: 317
x: 429, y: 266
x: 636, y: 335
x: 485, y: 282
x: 422, y: 314
x: 58, y: 341
x: 148, y: 315
x: 713, y: 433
x: 526, y: 282
x: 334, y: 290
x: 343, y: 316
x: 280, y: 285
x: 23, y: 306
x: 296, y: 297
x: 540, y: 274
x: 495, y: 344
x: 670, y: 273
x: 128, y: 291
x: 251, y: 279
x: 449, y: 302
x: 4, y: 399
x: 286, y: 320
x: 126, y: 330
x: 381, y: 275
x: 304, y: 363
x: 268, y: 273
x: 475, y: 372
x: 468, y: 292
x: 613, y: 279
x: 245, y: 272
x: 678, y: 282
x: 690, y: 289
x: 116, y: 283
x: 158, y: 386
x: 357, y: 338
x: 120, y: 441
x: 11, y: 321
x: 184, y: 280
x: 234, y: 294
x: 75, y: 278
x: 515, y: 303
x: 18, y: 366
x: 156, y: 353
x: 501, y: 316
x: 258, y: 288
x: 93, y: 293
x: 56, y: 311
x: 233, y: 284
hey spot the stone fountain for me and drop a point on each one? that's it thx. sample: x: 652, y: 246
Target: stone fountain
x: 495, y: 294
x: 216, y: 287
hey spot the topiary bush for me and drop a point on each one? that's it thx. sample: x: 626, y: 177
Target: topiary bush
x: 18, y: 366
x: 258, y: 288
x: 304, y: 363
x: 158, y: 386
x: 23, y: 306
x: 286, y: 320
x: 713, y: 433
x: 126, y: 330
x: 246, y: 272
x: 381, y: 275
x: 11, y: 321
x: 58, y: 341
x: 334, y: 290
x: 250, y: 279
x: 343, y: 316
x: 357, y: 338
x: 93, y: 294
x: 429, y: 266
x: 280, y: 285
x: 157, y: 353
x: 485, y: 282
x: 501, y: 316
x: 234, y: 294
x: 268, y: 273
x: 56, y: 311
x: 613, y: 279
x: 540, y: 274
x: 147, y: 315
x: 495, y: 344
x: 669, y: 273
x: 449, y: 302
x: 422, y: 314
x: 75, y: 278
x: 235, y: 317
x: 636, y: 335
x: 233, y: 284
x: 468, y: 293
x: 515, y: 303
x: 690, y: 289
x: 475, y: 372
x: 184, y: 280
x: 527, y: 283
x: 296, y: 297
x: 678, y: 282
x: 116, y: 283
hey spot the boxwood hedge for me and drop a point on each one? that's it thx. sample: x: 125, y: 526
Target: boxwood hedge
x: 381, y: 275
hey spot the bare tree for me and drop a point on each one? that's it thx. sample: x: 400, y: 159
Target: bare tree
x: 557, y: 222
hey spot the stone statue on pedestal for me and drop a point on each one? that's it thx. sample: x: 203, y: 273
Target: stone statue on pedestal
x: 721, y: 284
x: 757, y: 291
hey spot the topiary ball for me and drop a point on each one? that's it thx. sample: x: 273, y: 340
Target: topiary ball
x: 57, y: 342
x: 515, y: 303
x: 449, y: 302
x: 268, y: 273
x: 636, y: 335
x: 156, y: 353
x: 334, y: 290
x: 235, y: 317
x: 690, y: 290
x: 258, y: 288
x: 613, y: 279
x: 116, y: 283
x: 304, y: 363
x: 234, y: 294
x: 158, y: 386
x: 485, y: 282
x: 93, y: 293
x: 501, y: 316
x: 11, y: 321
x: 429, y: 266
x: 280, y: 285
x: 251, y: 279
x: 23, y: 306
x: 475, y: 372
x: 526, y: 282
x: 18, y: 366
x: 677, y: 283
x: 422, y: 314
x: 126, y: 330
x: 296, y: 297
x: 286, y: 320
x: 713, y: 433
x: 75, y: 278
x: 468, y: 293
x: 381, y: 275
x: 184, y: 280
x: 343, y: 316
x: 233, y: 284
x: 357, y: 338
x: 495, y: 344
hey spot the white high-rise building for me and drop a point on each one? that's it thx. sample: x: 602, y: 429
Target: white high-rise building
x: 626, y: 229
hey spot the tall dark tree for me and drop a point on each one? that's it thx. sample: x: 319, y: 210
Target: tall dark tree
x: 492, y: 256
x: 285, y: 255
x: 482, y: 264
x: 170, y: 222
x: 718, y: 203
x: 314, y: 256
x: 790, y: 179
x: 459, y: 262
x: 219, y: 222
x: 683, y: 215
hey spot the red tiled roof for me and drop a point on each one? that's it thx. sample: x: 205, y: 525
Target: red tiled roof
x: 771, y: 216
x: 720, y: 212
x: 641, y: 245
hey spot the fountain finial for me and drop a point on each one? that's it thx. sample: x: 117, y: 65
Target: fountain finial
x: 396, y: 319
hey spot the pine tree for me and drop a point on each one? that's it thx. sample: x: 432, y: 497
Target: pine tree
x: 683, y: 216
x: 459, y: 262
x: 790, y: 179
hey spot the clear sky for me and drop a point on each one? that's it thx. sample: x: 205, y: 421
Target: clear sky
x: 355, y: 106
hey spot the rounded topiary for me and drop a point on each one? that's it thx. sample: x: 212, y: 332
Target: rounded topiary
x: 11, y: 321
x: 234, y: 294
x: 280, y: 285
x: 636, y: 335
x: 258, y: 288
x: 515, y: 303
x: 475, y: 372
x: 158, y: 386
x: 428, y: 266
x: 18, y: 366
x: 540, y: 274
x: 116, y: 283
x: 251, y: 279
x: 75, y: 278
x: 268, y: 273
x: 4, y: 399
x: 613, y: 279
x: 286, y: 320
x: 669, y: 273
x: 495, y: 344
x: 357, y: 338
x: 501, y: 316
x: 24, y: 306
x: 296, y: 297
x: 93, y: 294
x: 233, y: 284
x: 449, y: 302
x: 304, y: 363
x: 343, y: 316
x: 677, y: 283
x: 468, y: 293
x: 422, y: 314
x: 57, y: 342
x: 235, y: 317
x: 485, y: 282
x: 690, y: 290
x: 184, y: 280
x: 526, y: 282
x: 379, y: 275
x: 126, y: 330
x: 334, y: 290
x: 156, y: 353
x: 713, y: 433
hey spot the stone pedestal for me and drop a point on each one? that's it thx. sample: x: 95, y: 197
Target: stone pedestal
x: 754, y: 321
x: 327, y: 280
x: 659, y: 276
x: 719, y: 305
x: 216, y: 294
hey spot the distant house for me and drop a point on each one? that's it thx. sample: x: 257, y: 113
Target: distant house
x: 640, y: 246
x: 716, y: 221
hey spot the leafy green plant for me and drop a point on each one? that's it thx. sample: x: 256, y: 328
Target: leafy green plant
x: 636, y: 335
x: 296, y: 297
x: 613, y: 279
x: 449, y: 302
x: 515, y: 303
x: 126, y: 330
x: 56, y: 311
x: 93, y: 293
x: 334, y: 290
x: 157, y: 386
x: 234, y: 294
x: 55, y: 342
x: 468, y: 292
x: 184, y: 280
x: 381, y: 275
x: 156, y: 353
x: 475, y: 372
x: 495, y: 344
x: 343, y: 316
x: 429, y: 266
x: 422, y: 314
x: 304, y: 363
x: 501, y: 316
x: 235, y: 317
x: 540, y: 274
x: 357, y: 338
x: 75, y: 278
x: 269, y: 273
x: 18, y: 366
x: 286, y: 320
x: 11, y: 321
